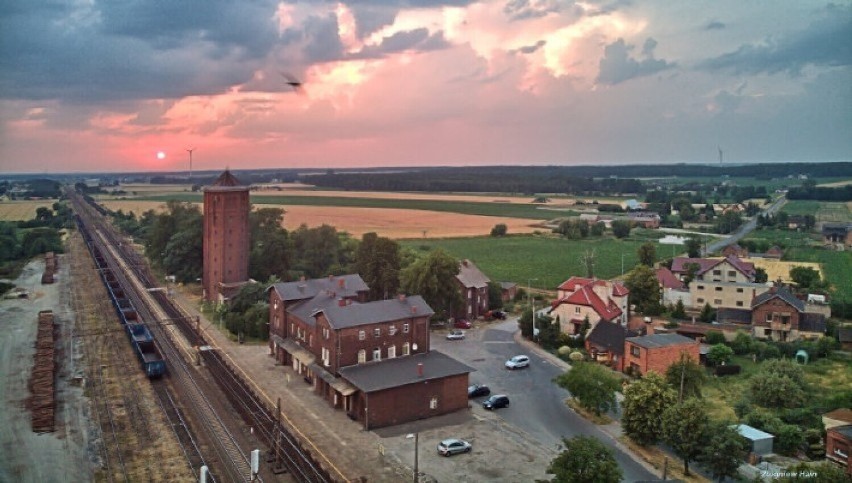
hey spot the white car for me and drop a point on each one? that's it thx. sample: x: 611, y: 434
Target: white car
x: 449, y: 447
x: 518, y: 362
x: 455, y: 334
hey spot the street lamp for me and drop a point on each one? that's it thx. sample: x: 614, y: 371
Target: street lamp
x: 532, y: 305
x: 416, y: 437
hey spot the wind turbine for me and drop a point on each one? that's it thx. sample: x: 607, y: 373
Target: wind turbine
x: 190, y: 150
x: 720, y: 153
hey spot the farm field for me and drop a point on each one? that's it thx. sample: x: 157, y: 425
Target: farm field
x: 510, y: 210
x: 22, y: 210
x: 550, y: 259
x: 836, y: 267
x: 823, y: 210
x: 392, y: 223
x: 780, y: 270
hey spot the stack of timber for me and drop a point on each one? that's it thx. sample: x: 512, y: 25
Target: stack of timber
x: 42, y: 381
x: 49, y: 268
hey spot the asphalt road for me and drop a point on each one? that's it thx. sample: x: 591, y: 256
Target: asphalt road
x: 744, y: 229
x: 537, y: 404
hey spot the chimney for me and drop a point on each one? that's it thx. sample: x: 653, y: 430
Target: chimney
x: 341, y: 282
x: 402, y: 297
x: 341, y: 302
x: 413, y: 309
x: 419, y: 369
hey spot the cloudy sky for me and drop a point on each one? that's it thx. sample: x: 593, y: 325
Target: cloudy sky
x: 104, y: 85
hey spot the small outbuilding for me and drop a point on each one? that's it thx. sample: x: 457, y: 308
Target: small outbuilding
x: 759, y: 442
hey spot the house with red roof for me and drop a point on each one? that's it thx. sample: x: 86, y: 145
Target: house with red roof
x: 672, y: 288
x: 582, y: 298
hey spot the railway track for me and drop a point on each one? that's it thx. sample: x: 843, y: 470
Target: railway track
x: 286, y: 451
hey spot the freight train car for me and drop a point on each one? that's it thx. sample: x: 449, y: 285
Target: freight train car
x: 146, y: 350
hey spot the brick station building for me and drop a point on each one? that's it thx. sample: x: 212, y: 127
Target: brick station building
x: 370, y: 359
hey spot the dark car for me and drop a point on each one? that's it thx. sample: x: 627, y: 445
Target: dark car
x: 498, y: 314
x: 478, y: 390
x: 462, y: 324
x: 496, y: 401
x: 449, y: 447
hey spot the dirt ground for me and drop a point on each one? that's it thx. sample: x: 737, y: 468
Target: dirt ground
x: 23, y: 453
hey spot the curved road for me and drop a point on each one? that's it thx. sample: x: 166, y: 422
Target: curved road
x: 537, y: 404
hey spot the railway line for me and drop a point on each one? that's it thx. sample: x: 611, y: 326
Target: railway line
x: 189, y: 396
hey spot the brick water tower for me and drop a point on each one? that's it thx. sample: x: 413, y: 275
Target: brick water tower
x: 226, y: 237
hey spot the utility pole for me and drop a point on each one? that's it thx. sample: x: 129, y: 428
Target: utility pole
x: 532, y: 303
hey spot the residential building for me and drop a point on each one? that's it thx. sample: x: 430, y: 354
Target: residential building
x: 672, y: 288
x: 657, y: 352
x: 473, y: 285
x: 508, y: 290
x: 644, y: 219
x: 735, y: 250
x: 780, y: 316
x: 580, y: 299
x: 226, y: 238
x: 721, y: 282
x: 605, y: 344
x: 838, y: 417
x: 351, y: 351
x: 838, y: 235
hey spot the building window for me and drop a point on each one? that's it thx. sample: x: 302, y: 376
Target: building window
x: 717, y: 301
x: 405, y: 350
x: 362, y: 335
x: 275, y: 305
x: 767, y: 332
x: 634, y: 351
x: 362, y: 356
x: 433, y: 403
x: 405, y: 328
x: 700, y: 301
x: 326, y: 355
x: 717, y: 272
x: 700, y: 287
x: 377, y: 354
x: 325, y: 332
x: 377, y: 332
x: 769, y: 316
x: 392, y: 330
x: 739, y: 290
x: 576, y: 310
x: 718, y: 289
x: 391, y: 352
x: 739, y: 303
x: 732, y: 273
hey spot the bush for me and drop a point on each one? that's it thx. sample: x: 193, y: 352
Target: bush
x: 499, y: 229
x: 577, y: 356
x: 714, y: 337
x: 563, y: 350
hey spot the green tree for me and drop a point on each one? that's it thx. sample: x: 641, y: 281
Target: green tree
x: 760, y: 275
x: 584, y: 460
x: 644, y: 289
x: 500, y: 229
x: 714, y: 337
x: 689, y: 374
x: 643, y: 406
x: 271, y: 247
x: 778, y: 384
x: 621, y: 228
x: 182, y: 256
x: 691, y: 270
x: 728, y: 222
x: 679, y: 311
x: 495, y: 295
x: 647, y: 253
x: 592, y: 385
x: 723, y: 451
x: 597, y: 229
x: 320, y: 251
x: 378, y: 260
x: 708, y: 314
x: 693, y: 247
x: 434, y: 278
x: 684, y: 428
x: 40, y: 240
x: 805, y: 277
x: 719, y: 355
x: 742, y: 344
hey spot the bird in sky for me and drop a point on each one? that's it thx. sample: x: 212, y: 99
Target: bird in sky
x: 293, y: 82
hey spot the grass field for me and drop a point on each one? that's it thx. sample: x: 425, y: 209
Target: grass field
x: 785, y: 238
x: 550, y: 259
x: 836, y: 267
x: 21, y: 210
x: 509, y: 210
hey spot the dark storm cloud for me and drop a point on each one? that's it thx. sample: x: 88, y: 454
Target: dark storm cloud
x: 714, y: 25
x: 825, y: 43
x: 617, y: 66
x: 529, y: 49
x: 417, y: 39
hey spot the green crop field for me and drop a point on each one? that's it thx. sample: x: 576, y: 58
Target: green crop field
x: 785, y: 238
x: 550, y: 259
x: 823, y: 210
x: 511, y: 210
x: 837, y: 267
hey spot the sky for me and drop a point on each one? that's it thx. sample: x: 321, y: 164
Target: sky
x: 107, y: 85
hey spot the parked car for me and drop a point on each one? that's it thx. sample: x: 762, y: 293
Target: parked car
x: 455, y: 334
x: 518, y: 362
x: 477, y: 390
x: 496, y: 401
x: 462, y: 324
x: 449, y: 447
x: 498, y: 314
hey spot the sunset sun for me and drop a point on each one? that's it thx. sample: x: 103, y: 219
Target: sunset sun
x: 161, y: 155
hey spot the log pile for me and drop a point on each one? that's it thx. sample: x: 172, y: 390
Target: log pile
x: 49, y: 268
x: 42, y: 380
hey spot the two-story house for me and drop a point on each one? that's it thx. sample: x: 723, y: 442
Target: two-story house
x: 363, y: 357
x: 473, y: 285
x: 780, y: 316
x: 721, y: 282
x: 580, y: 299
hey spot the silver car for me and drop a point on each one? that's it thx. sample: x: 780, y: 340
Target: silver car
x: 518, y: 362
x: 455, y: 334
x: 449, y: 447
